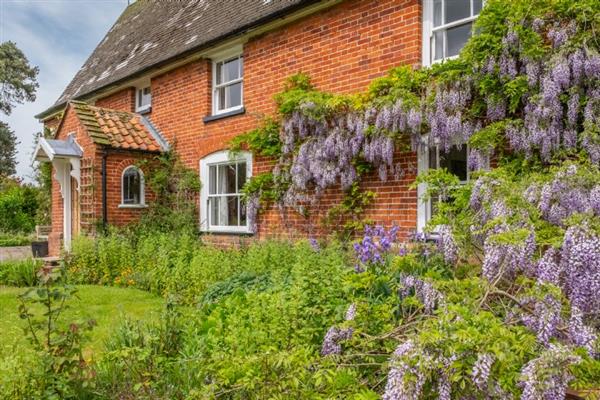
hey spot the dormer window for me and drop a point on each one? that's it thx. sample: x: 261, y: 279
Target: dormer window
x: 143, y: 100
x: 228, y: 81
x: 447, y: 25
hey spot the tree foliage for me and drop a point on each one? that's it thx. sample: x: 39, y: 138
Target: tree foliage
x: 17, y: 78
x: 8, y: 150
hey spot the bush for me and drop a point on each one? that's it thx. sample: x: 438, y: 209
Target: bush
x: 18, y: 207
x: 12, y: 239
x: 255, y: 334
x: 22, y: 273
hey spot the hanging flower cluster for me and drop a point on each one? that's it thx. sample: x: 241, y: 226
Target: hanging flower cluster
x: 405, y: 381
x: 557, y: 88
x: 333, y: 339
x: 429, y: 296
x: 375, y: 244
x: 568, y: 193
x: 446, y: 244
x: 481, y: 371
x: 335, y: 335
x: 448, y: 126
x: 548, y: 376
x: 545, y: 317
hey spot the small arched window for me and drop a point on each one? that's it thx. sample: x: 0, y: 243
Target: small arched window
x: 132, y: 187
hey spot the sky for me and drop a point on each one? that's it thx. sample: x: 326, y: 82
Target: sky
x: 57, y: 36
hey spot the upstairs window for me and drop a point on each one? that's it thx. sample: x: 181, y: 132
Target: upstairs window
x: 228, y: 77
x: 222, y: 208
x: 132, y: 187
x: 447, y: 25
x: 143, y: 100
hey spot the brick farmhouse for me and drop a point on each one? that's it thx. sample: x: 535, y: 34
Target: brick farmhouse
x: 194, y: 74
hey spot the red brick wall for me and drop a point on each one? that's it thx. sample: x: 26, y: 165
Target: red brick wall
x: 342, y: 48
x: 115, y: 165
x: 180, y: 99
x: 121, y: 100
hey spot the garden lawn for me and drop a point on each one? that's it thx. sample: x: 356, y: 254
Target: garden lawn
x: 107, y: 305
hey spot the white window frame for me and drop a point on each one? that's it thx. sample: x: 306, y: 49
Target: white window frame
x: 220, y: 158
x: 139, y: 91
x: 234, y: 53
x: 424, y: 205
x: 142, y: 203
x: 429, y: 30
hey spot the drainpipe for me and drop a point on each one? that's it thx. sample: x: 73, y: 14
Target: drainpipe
x: 104, y: 205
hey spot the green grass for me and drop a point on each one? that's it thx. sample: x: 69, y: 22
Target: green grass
x: 107, y: 305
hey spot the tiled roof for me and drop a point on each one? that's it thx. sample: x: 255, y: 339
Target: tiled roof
x: 150, y: 33
x: 118, y: 129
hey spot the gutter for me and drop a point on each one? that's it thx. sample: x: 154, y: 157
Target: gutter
x: 104, y: 190
x: 239, y: 31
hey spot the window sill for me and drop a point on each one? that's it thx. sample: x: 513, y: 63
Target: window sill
x: 226, y: 232
x: 144, y: 110
x: 227, y: 114
x: 133, y: 206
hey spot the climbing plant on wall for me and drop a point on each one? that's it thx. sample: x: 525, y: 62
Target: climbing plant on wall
x: 524, y: 93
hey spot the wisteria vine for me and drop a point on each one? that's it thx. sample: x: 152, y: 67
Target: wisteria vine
x: 527, y: 90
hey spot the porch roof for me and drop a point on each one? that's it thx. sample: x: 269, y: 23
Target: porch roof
x: 49, y: 149
x: 119, y: 129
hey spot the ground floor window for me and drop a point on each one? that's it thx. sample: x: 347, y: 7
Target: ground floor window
x: 132, y: 187
x: 223, y: 176
x: 454, y: 160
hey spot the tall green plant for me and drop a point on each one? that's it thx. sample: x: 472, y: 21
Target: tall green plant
x: 63, y: 372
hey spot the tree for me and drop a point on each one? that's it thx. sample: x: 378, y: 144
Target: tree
x: 18, y: 81
x: 42, y: 175
x: 8, y: 151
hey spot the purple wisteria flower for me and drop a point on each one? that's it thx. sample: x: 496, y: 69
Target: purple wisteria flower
x: 506, y: 259
x: 548, y: 268
x: 429, y: 296
x: 333, y: 338
x: 581, y: 334
x: 375, y: 244
x: 446, y: 244
x: 544, y: 319
x: 405, y: 382
x: 481, y: 371
x: 548, y: 376
x: 580, y: 261
x: 252, y: 208
x: 350, y: 312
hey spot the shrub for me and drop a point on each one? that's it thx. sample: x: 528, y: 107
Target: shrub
x: 256, y: 334
x: 18, y: 207
x: 12, y: 239
x: 22, y: 273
